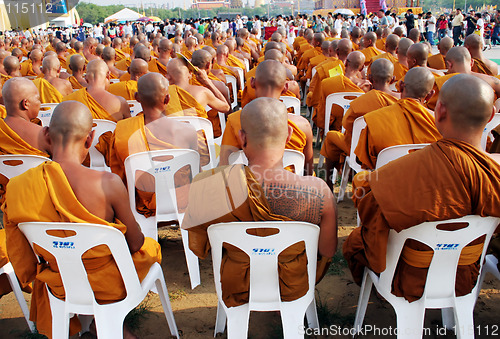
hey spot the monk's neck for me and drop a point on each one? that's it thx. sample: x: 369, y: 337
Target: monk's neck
x: 382, y: 87
x: 96, y: 86
x: 403, y: 60
x: 110, y: 63
x: 420, y: 101
x: 68, y: 155
x: 164, y: 59
x: 50, y: 75
x: 393, y: 53
x: 265, y: 166
x: 459, y: 69
x: 343, y: 59
x: 152, y: 113
x: 14, y: 117
x: 351, y: 73
x: 467, y: 137
x: 476, y: 54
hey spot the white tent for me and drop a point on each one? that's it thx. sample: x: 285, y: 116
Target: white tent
x: 124, y: 15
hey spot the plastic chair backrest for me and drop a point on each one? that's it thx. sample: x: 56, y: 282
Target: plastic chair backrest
x: 291, y: 102
x: 290, y: 158
x: 495, y: 121
x: 241, y: 75
x: 135, y: 107
x: 12, y: 165
x: 447, y: 246
x: 263, y: 253
x: 394, y: 152
x: 342, y: 99
x: 68, y: 253
x: 206, y: 126
x: 357, y: 127
x: 45, y: 113
x: 153, y: 162
x: 100, y: 127
x: 232, y: 80
x: 114, y: 81
x: 247, y: 64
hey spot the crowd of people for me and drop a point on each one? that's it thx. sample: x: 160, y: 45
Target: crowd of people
x: 407, y: 95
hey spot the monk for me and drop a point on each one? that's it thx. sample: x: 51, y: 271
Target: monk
x: 222, y: 55
x: 263, y: 191
x: 391, y: 46
x: 67, y: 191
x: 417, y: 56
x: 315, y: 61
x: 233, y: 59
x: 382, y: 34
x: 164, y: 55
x: 151, y: 131
x: 349, y: 82
x: 189, y: 47
x: 77, y: 67
x: 405, y: 122
x: 270, y: 81
x: 12, y: 68
x: 437, y: 60
x: 89, y: 46
x: 474, y: 43
x: 337, y: 143
x: 3, y: 55
x: 32, y: 66
x: 108, y: 56
x: 449, y: 169
x: 17, y: 53
x: 302, y: 65
x: 356, y: 35
x: 61, y: 51
x: 142, y: 52
x: 117, y: 46
x: 52, y: 88
x: 370, y: 50
x: 102, y: 104
x: 127, y: 89
x: 401, y: 66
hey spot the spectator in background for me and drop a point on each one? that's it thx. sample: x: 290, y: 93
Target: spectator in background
x: 421, y: 26
x: 431, y: 27
x: 442, y: 26
x: 496, y: 30
x: 480, y: 26
x: 410, y: 20
x: 457, y: 24
x: 471, y: 23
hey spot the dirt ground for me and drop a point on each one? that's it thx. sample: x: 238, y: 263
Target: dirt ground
x: 337, y: 296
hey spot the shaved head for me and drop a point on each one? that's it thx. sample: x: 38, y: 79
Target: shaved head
x: 152, y: 89
x: 318, y: 38
x: 274, y: 54
x: 344, y: 47
x: 414, y: 35
x: 99, y: 50
x: 391, y: 44
x: 418, y: 82
x: 382, y: 70
x: 36, y: 55
x: 17, y: 53
x: 468, y: 101
x: 403, y: 46
x: 201, y: 58
x: 15, y: 90
x: 165, y: 45
x: 417, y: 55
x: 3, y: 55
x: 71, y: 122
x: 137, y: 68
x: 399, y: 31
x: 50, y: 63
x: 60, y: 47
x: 96, y: 70
x: 445, y: 45
x: 78, y: 46
x: 458, y: 58
x: 271, y: 74
x: 76, y: 62
x: 177, y: 69
x: 473, y: 42
x: 369, y: 39
x: 356, y: 60
x: 222, y: 50
x: 142, y: 52
x: 265, y: 123
x: 108, y: 54
x: 11, y: 64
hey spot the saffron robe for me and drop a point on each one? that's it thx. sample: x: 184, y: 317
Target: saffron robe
x: 436, y: 61
x: 27, y: 68
x: 75, y: 83
x: 48, y: 93
x: 125, y: 89
x: 369, y: 53
x: 83, y: 96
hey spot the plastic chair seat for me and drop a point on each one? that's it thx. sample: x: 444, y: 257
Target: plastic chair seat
x: 97, y: 161
x: 290, y: 158
x: 45, y: 113
x: 395, y: 152
x: 495, y: 121
x: 291, y: 102
x: 135, y: 107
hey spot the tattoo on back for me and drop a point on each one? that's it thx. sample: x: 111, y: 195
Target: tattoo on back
x: 298, y: 202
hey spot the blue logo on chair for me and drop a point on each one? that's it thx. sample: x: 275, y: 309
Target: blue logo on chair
x: 263, y: 251
x: 446, y: 246
x: 46, y: 115
x: 162, y: 169
x: 63, y: 244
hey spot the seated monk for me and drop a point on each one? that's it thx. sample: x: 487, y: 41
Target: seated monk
x: 17, y: 53
x: 127, y: 89
x: 222, y: 55
x: 102, y: 104
x: 89, y: 46
x: 234, y: 59
x: 141, y: 52
x: 24, y: 47
x: 3, y: 55
x: 349, y: 82
x: 99, y: 50
x: 164, y: 55
x: 405, y: 122
x: 108, y: 56
x: 52, y: 89
x: 66, y: 191
x: 315, y: 61
x: 77, y: 67
x: 263, y: 191
x: 117, y: 46
x: 337, y: 143
x: 62, y: 54
x: 12, y: 68
x: 401, y: 66
x: 370, y: 50
x: 151, y: 131
x: 391, y: 46
x: 189, y: 47
x: 455, y: 169
x: 32, y: 66
x: 474, y: 43
x: 270, y: 81
x: 417, y: 56
x: 414, y: 35
x: 437, y: 60
x: 303, y: 62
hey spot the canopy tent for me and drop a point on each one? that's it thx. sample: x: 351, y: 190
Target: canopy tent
x: 123, y: 15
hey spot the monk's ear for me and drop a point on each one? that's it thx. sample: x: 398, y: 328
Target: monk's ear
x: 471, y: 62
x: 393, y: 80
x: 89, y: 139
x: 242, y: 139
x: 285, y: 88
x: 440, y: 112
x: 429, y: 95
x: 136, y: 97
x: 46, y: 136
x: 290, y: 132
x: 252, y: 82
x: 167, y: 99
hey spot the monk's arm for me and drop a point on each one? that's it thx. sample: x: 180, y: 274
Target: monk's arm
x: 118, y: 197
x: 308, y: 148
x: 328, y: 225
x: 215, y: 99
x: 224, y: 90
x: 293, y: 87
x: 68, y: 89
x: 124, y: 108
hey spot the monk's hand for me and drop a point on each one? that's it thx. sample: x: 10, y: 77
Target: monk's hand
x: 202, y: 76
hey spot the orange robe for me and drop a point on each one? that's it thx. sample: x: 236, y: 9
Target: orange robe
x: 27, y: 68
x: 385, y: 55
x: 436, y: 61
x: 369, y: 53
x: 223, y: 184
x: 162, y: 69
x: 119, y: 55
x: 46, y: 188
x: 322, y: 72
x: 48, y: 93
x: 125, y: 89
x: 405, y: 122
x: 466, y: 181
x: 212, y: 114
x: 380, y: 44
x: 335, y: 84
x: 3, y: 112
x: 124, y: 64
x: 234, y: 61
x: 399, y: 70
x: 481, y: 67
x: 75, y: 83
x: 336, y: 142
x: 313, y: 62
x: 62, y: 60
x: 306, y: 57
x: 4, y: 78
x: 98, y: 112
x: 297, y: 141
x: 298, y: 41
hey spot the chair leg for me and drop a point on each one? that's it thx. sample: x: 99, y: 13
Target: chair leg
x: 220, y: 321
x: 312, y: 315
x: 60, y: 318
x: 237, y: 322
x: 448, y: 318
x: 109, y: 324
x: 321, y: 160
x: 410, y: 320
x: 464, y: 318
x: 293, y: 321
x: 193, y: 264
x: 346, y: 170
x: 364, y: 296
x: 167, y: 307
x: 16, y: 288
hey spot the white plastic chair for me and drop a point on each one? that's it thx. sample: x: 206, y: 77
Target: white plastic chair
x: 495, y: 121
x: 291, y: 102
x: 342, y: 99
x: 9, y: 271
x: 290, y: 158
x: 439, y: 291
x: 79, y: 297
x: 205, y: 125
x: 45, y: 113
x: 234, y: 84
x: 264, y: 284
x: 490, y: 266
x: 241, y: 76
x: 247, y: 64
x: 166, y: 199
x: 350, y: 161
x: 394, y: 152
x: 97, y: 161
x: 12, y: 165
x: 135, y: 107
x: 114, y: 81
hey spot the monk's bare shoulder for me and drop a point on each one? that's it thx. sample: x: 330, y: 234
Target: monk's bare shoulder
x: 495, y: 156
x: 301, y: 122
